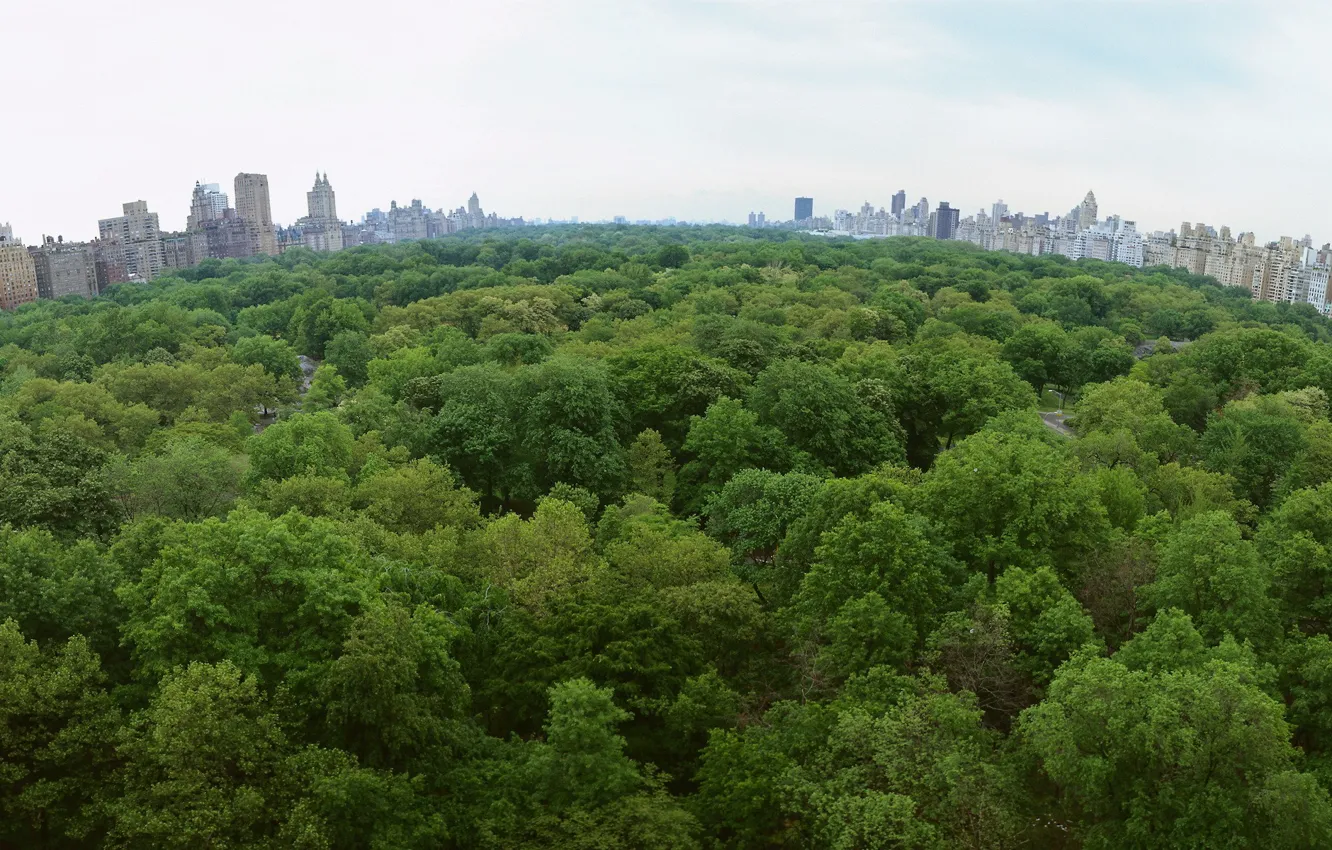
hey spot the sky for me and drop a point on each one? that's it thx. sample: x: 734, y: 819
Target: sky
x: 1216, y: 111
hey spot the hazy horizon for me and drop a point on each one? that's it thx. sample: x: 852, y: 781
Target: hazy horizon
x: 1169, y: 111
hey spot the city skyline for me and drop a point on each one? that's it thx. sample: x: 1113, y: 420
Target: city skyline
x: 683, y: 109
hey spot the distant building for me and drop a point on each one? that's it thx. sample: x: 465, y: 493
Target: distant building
x: 945, y: 221
x: 474, y: 210
x: 208, y: 203
x: 804, y: 209
x: 183, y: 250
x: 64, y: 269
x: 133, y: 243
x: 320, y: 229
x: 1087, y: 212
x: 252, y: 207
x: 408, y: 224
x: 899, y: 202
x: 18, y: 273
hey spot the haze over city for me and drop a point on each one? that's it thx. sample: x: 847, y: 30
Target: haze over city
x: 691, y: 110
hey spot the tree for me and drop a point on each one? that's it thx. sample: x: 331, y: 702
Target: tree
x: 727, y: 439
x: 349, y: 352
x: 190, y: 479
x: 307, y: 443
x: 201, y: 765
x: 327, y: 390
x: 1134, y: 750
x: 58, y: 727
x: 416, y: 498
x: 1255, y: 441
x: 570, y: 421
x: 1039, y: 354
x: 952, y: 389
x: 395, y: 693
x: 820, y: 413
x: 752, y: 512
x: 1011, y: 500
x: 672, y: 256
x: 1210, y: 572
x: 275, y: 355
x: 890, y: 553
x: 53, y: 480
x: 651, y: 467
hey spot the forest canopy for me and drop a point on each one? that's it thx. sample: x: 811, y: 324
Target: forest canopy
x: 640, y: 537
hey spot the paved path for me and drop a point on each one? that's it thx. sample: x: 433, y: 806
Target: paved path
x: 1055, y: 422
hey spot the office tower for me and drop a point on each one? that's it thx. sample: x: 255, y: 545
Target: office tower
x: 1086, y: 212
x: 997, y: 212
x: 804, y: 209
x: 18, y: 274
x: 923, y: 210
x: 945, y: 221
x: 899, y: 202
x: 321, y: 230
x: 133, y: 242
x: 64, y: 269
x: 252, y: 207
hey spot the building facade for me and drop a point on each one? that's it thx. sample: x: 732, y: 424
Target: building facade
x: 64, y: 269
x: 321, y: 230
x: 133, y: 242
x: 18, y: 274
x: 253, y: 208
x: 804, y: 209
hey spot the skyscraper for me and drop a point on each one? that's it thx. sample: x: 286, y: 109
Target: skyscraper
x: 320, y: 200
x: 321, y: 230
x: 475, y: 212
x: 252, y: 208
x: 945, y: 221
x: 208, y: 203
x: 1087, y: 212
x: 804, y: 209
x: 997, y: 212
x: 899, y: 202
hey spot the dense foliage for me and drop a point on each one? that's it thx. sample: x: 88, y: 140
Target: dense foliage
x: 623, y: 537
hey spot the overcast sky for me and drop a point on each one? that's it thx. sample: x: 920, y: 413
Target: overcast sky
x: 1214, y: 111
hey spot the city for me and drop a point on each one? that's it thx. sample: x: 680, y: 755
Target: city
x: 1288, y: 270
x: 134, y: 247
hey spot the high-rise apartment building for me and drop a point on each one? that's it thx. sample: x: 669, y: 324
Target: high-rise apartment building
x: 474, y: 211
x: 1087, y: 212
x: 252, y: 207
x: 407, y: 224
x: 899, y: 202
x: 208, y: 203
x: 320, y: 201
x: 321, y: 230
x: 64, y: 269
x: 133, y: 242
x: 804, y: 209
x: 18, y: 274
